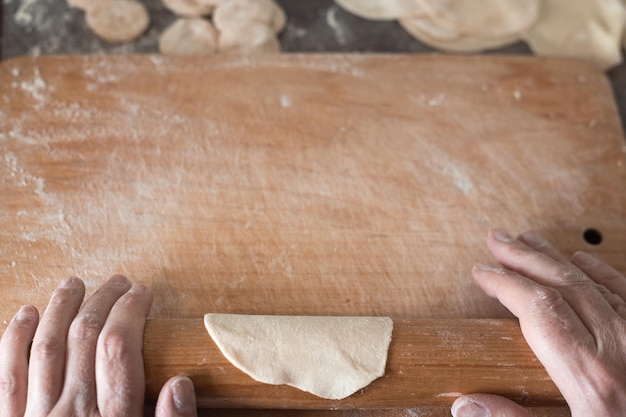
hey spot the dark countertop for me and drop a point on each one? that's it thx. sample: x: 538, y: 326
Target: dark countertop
x: 52, y: 27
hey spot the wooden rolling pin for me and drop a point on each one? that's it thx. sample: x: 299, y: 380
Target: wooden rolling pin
x: 430, y: 363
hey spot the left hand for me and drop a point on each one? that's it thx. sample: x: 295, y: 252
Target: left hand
x: 84, y: 361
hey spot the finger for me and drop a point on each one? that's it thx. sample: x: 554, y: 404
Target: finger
x: 79, y: 390
x: 601, y: 273
x: 14, y: 350
x: 119, y: 358
x: 606, y: 276
x: 177, y: 399
x: 541, y: 245
x: 487, y: 405
x: 610, y: 283
x: 575, y: 287
x: 47, y: 354
x: 551, y: 327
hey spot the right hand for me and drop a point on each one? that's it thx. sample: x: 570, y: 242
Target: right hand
x: 572, y: 314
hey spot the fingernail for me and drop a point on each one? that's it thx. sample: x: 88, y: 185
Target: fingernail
x: 502, y: 236
x: 183, y: 394
x: 487, y: 268
x: 118, y: 279
x: 139, y: 288
x: 533, y: 239
x: 71, y: 282
x: 584, y: 259
x: 25, y: 313
x: 468, y: 408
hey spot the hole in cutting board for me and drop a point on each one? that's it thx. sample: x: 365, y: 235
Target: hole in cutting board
x: 592, y: 236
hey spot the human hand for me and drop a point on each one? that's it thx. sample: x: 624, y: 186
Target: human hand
x: 572, y: 314
x: 84, y: 361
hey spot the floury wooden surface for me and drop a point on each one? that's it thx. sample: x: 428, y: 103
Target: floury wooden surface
x: 358, y: 185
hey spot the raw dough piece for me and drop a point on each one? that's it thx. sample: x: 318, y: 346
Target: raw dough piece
x: 485, y: 18
x: 419, y: 26
x: 246, y: 39
x: 230, y: 13
x: 118, y: 20
x: 584, y: 29
x: 380, y: 9
x: 190, y: 8
x: 331, y: 357
x: 192, y: 36
x: 468, y: 44
x: 438, y: 37
x: 82, y: 4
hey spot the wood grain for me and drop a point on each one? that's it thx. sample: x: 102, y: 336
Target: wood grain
x: 430, y: 363
x: 299, y: 184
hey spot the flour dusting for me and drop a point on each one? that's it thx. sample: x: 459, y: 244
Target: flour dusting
x: 25, y: 13
x: 437, y: 101
x: 285, y: 101
x: 36, y: 87
x: 335, y: 25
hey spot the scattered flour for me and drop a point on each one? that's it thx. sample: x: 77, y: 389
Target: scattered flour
x: 449, y: 395
x: 333, y: 23
x: 285, y: 101
x: 37, y: 88
x: 25, y: 13
x: 437, y: 101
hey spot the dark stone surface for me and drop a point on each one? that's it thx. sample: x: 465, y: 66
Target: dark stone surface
x: 52, y: 27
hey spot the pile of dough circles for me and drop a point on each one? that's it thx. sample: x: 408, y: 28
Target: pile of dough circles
x: 114, y: 20
x: 236, y: 26
x: 592, y: 30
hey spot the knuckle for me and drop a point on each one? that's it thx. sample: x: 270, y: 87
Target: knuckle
x: 9, y: 385
x: 547, y: 297
x: 115, y: 344
x: 85, y: 326
x: 549, y: 302
x: 47, y: 349
x: 569, y: 275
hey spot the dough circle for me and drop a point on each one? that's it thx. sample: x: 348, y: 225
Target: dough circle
x: 380, y: 9
x: 331, y: 357
x: 237, y: 13
x: 118, y: 20
x: 248, y: 39
x: 190, y: 36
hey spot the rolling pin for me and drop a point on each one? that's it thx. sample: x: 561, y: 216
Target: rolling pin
x: 429, y: 364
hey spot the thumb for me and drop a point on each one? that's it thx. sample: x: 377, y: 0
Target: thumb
x: 177, y: 399
x: 487, y: 405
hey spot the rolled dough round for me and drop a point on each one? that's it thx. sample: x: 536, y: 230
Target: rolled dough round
x: 380, y: 9
x: 191, y: 36
x: 118, y: 20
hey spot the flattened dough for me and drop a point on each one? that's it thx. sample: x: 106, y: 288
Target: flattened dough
x: 243, y: 12
x: 248, y: 39
x: 486, y: 18
x: 118, y: 20
x: 438, y: 37
x: 584, y: 29
x: 419, y: 26
x: 191, y: 36
x: 190, y: 8
x: 331, y: 357
x: 380, y: 9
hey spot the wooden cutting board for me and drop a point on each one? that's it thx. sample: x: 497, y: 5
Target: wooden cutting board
x: 299, y: 184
